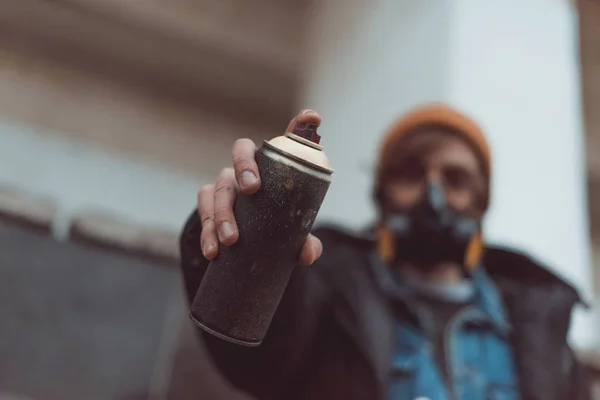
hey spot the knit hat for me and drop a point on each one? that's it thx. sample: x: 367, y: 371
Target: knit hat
x: 433, y: 115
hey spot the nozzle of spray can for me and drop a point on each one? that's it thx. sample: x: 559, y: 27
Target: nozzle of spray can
x: 308, y: 131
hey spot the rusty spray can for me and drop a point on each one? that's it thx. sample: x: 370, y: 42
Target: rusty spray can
x: 244, y: 284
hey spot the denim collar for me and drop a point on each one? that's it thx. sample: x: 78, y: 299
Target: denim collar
x: 487, y: 298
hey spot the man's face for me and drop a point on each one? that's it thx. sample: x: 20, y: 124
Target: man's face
x: 435, y: 155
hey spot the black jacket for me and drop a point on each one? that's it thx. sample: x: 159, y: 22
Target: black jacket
x: 331, y: 337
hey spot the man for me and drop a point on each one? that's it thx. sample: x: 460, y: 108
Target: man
x: 416, y: 309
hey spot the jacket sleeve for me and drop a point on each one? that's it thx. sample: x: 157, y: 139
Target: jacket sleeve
x: 268, y: 370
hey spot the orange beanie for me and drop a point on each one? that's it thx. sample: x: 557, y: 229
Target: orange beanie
x: 433, y: 114
x: 441, y: 115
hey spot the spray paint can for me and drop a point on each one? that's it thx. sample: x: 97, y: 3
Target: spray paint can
x: 243, y: 285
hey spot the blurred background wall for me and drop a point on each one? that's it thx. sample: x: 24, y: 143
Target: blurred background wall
x: 113, y: 113
x: 512, y: 65
x: 142, y: 100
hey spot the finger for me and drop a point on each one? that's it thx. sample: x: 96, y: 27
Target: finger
x: 304, y: 117
x: 206, y: 205
x: 244, y: 164
x: 225, y: 192
x: 208, y: 241
x: 312, y: 250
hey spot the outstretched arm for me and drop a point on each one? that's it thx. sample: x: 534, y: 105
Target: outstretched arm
x: 270, y: 369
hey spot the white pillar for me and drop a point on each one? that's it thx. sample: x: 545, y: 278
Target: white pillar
x: 515, y: 67
x: 368, y: 60
x: 511, y: 64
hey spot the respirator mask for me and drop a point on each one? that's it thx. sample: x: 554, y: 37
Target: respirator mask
x: 431, y: 231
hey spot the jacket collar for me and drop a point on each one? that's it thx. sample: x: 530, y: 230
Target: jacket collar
x: 489, y: 301
x: 525, y: 287
x: 487, y: 297
x: 504, y: 265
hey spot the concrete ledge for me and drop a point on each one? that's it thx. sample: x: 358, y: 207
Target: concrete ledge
x: 11, y: 396
x: 19, y: 208
x: 118, y: 234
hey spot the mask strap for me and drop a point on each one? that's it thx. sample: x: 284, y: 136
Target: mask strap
x: 474, y: 253
x: 385, y: 244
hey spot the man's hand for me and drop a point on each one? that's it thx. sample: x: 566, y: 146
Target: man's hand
x: 215, y: 202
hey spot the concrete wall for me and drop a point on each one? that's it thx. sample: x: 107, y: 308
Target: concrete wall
x: 92, y: 143
x: 130, y: 108
x: 87, y: 318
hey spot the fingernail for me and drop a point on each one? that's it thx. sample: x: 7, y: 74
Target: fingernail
x: 225, y: 230
x: 248, y: 179
x: 309, y: 112
x: 318, y: 250
x: 207, y: 248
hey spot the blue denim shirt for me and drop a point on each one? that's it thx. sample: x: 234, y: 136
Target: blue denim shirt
x: 480, y: 361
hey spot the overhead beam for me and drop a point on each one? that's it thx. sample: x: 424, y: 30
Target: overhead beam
x: 265, y: 32
x: 90, y: 38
